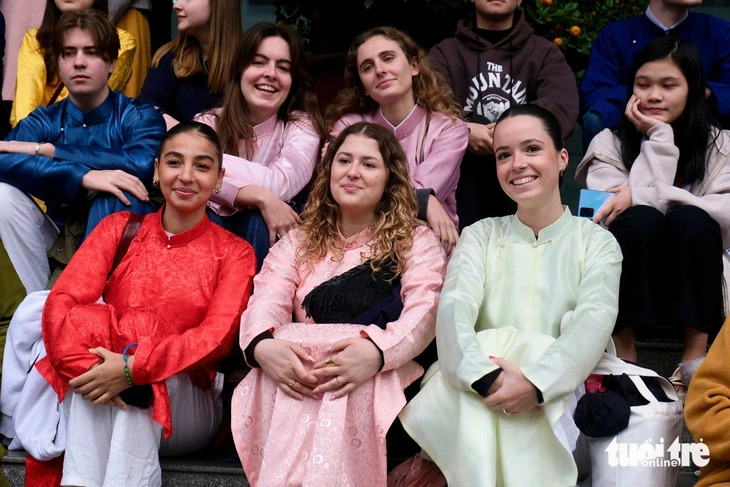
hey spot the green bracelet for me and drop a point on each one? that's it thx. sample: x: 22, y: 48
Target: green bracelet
x: 126, y: 374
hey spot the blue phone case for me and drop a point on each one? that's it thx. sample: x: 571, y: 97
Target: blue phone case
x: 591, y: 201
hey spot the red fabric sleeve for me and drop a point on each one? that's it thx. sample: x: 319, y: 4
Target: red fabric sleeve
x: 71, y: 320
x: 157, y: 359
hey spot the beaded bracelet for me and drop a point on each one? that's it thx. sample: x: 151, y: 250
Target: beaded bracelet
x: 127, y: 375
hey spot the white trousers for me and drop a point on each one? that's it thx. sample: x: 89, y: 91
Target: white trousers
x: 31, y: 414
x: 107, y: 446
x: 27, y: 234
x: 104, y: 445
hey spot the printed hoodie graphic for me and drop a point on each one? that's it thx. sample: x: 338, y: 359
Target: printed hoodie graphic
x: 483, y: 101
x: 521, y: 68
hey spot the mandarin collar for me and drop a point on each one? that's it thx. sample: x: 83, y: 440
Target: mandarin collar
x: 357, y: 240
x: 650, y: 15
x: 546, y: 234
x: 265, y: 127
x: 183, y: 238
x: 406, y: 126
x: 100, y: 114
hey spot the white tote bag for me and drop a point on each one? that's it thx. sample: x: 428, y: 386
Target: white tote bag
x: 641, y: 454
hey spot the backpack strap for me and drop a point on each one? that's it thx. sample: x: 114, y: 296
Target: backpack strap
x: 130, y: 231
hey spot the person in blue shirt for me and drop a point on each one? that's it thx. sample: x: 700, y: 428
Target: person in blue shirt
x: 86, y: 156
x: 603, y: 90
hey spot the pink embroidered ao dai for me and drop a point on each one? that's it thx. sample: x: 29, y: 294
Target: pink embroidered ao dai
x: 315, y: 443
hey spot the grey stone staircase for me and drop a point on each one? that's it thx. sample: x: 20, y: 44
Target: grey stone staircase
x: 176, y: 472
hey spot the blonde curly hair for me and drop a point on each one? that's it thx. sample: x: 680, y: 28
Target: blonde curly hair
x: 430, y: 88
x: 395, y: 214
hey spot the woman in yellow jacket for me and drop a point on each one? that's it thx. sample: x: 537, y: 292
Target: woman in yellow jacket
x: 707, y: 409
x: 38, y: 83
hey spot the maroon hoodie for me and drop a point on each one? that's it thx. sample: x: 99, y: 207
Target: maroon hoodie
x: 521, y: 68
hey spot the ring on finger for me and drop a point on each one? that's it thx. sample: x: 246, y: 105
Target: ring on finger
x: 330, y: 363
x: 506, y: 412
x: 293, y: 382
x: 337, y: 379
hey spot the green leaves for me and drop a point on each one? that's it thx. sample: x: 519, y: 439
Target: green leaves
x: 573, y: 25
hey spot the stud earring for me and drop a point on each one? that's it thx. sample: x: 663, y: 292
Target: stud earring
x: 155, y: 183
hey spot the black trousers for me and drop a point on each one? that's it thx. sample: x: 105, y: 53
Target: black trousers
x: 672, y: 269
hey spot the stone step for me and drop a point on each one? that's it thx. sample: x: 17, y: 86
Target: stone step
x: 176, y: 472
x: 659, y: 355
x: 193, y: 472
x: 687, y: 479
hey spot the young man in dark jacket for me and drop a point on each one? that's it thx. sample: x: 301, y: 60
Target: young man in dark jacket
x: 496, y: 61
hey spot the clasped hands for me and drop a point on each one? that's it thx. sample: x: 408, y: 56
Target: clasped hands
x: 351, y: 362
x: 481, y: 138
x: 104, y: 380
x: 511, y: 392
